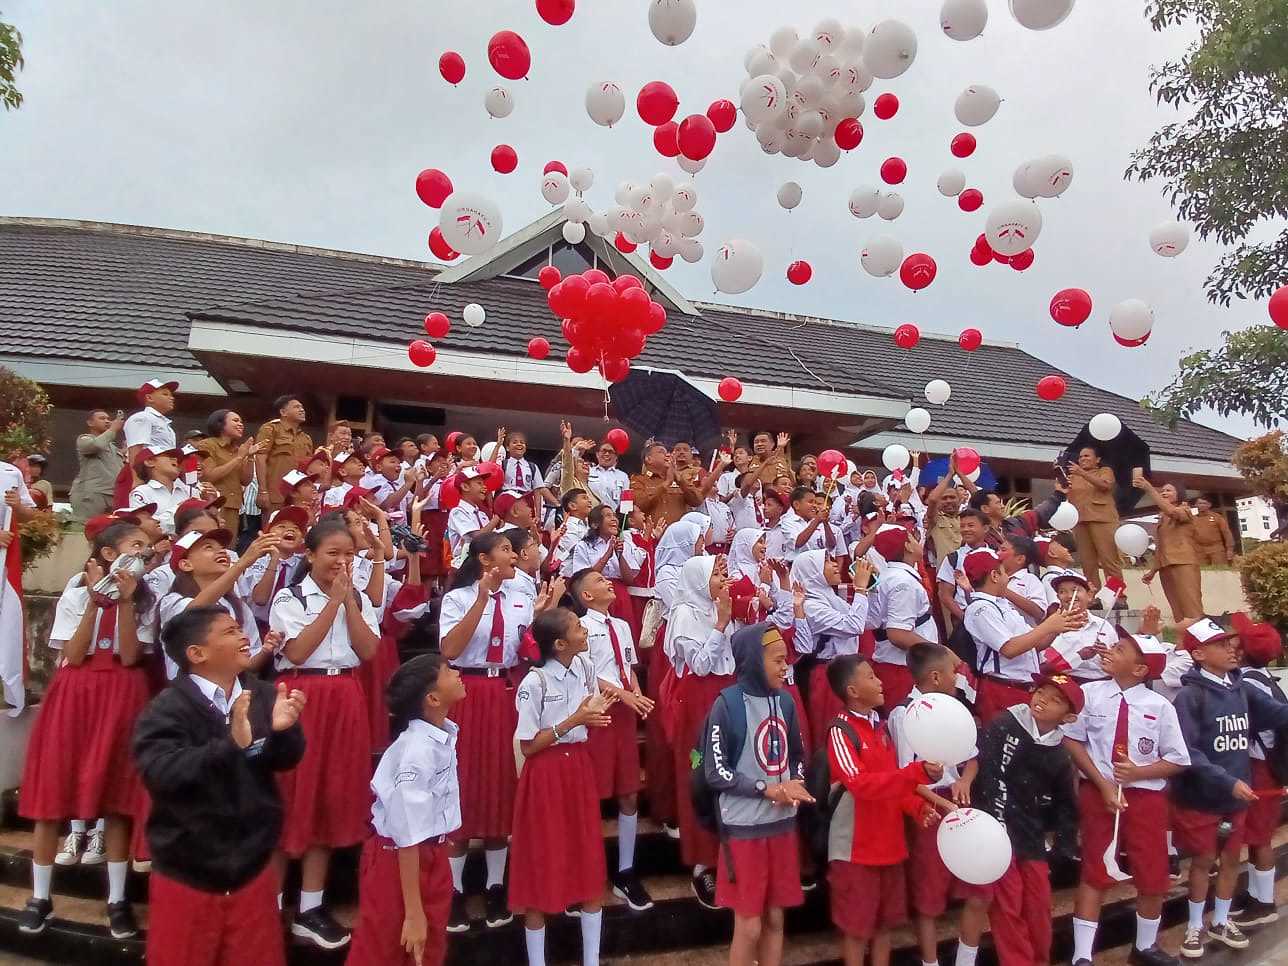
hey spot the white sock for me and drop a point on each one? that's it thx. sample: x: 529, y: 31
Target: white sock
x: 457, y: 863
x: 698, y: 870
x: 1196, y: 914
x: 309, y: 900
x: 1220, y: 912
x: 590, y: 923
x: 924, y: 963
x: 626, y: 826
x: 41, y: 877
x: 101, y: 825
x: 496, y: 867
x: 1084, y: 937
x: 279, y: 902
x: 1261, y: 885
x: 966, y: 954
x: 78, y: 825
x: 1146, y: 932
x: 535, y: 939
x: 116, y: 881
x: 1171, y: 849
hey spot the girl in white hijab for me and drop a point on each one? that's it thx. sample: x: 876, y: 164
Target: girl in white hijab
x: 756, y: 594
x: 683, y: 539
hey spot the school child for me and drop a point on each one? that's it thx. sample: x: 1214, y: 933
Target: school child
x: 392, y: 483
x: 161, y: 485
x: 933, y: 668
x: 754, y: 591
x: 754, y: 760
x: 208, y: 748
x: 1026, y: 782
x: 558, y: 846
x: 1218, y: 718
x: 527, y: 564
x: 405, y: 881
x: 469, y: 518
x: 522, y: 478
x: 78, y: 757
x: 298, y: 489
x: 347, y: 470
x: 149, y: 428
x: 643, y: 536
x: 576, y: 506
x: 481, y: 622
x: 192, y: 516
x: 1127, y: 743
x: 268, y: 575
x: 1077, y: 652
x: 903, y: 612
x: 805, y: 526
x: 1024, y: 589
x: 603, y: 549
x: 866, y: 847
x: 606, y: 481
x: 973, y: 526
x: 328, y: 629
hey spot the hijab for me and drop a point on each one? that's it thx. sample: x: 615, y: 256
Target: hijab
x: 693, y: 614
x: 808, y: 572
x: 679, y: 539
x: 742, y: 560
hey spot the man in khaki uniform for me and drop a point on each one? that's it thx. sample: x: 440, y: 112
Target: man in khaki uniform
x: 659, y: 491
x: 282, y: 444
x: 1212, y: 536
x: 773, y: 460
x: 1091, y: 491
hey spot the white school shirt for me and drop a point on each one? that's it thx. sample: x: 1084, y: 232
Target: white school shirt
x: 902, y: 603
x: 221, y: 702
x: 992, y: 621
x: 290, y: 617
x: 949, y: 568
x: 166, y: 499
x: 522, y: 583
x: 1153, y: 732
x: 463, y: 520
x: 149, y: 428
x: 574, y: 533
x: 1029, y: 586
x: 1179, y: 663
x: 334, y: 497
x: 517, y: 608
x: 600, y: 646
x: 714, y: 655
x: 608, y: 484
x: 1067, y: 645
x: 551, y: 693
x: 417, y: 795
x: 587, y: 553
x: 173, y: 604
x: 71, y: 608
x: 904, y: 750
x: 532, y: 478
x: 748, y: 511
x: 792, y: 525
x: 828, y: 632
x: 286, y: 571
x: 11, y: 478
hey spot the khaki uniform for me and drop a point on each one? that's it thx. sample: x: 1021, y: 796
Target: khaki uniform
x: 658, y: 500
x: 284, y: 447
x: 774, y: 467
x: 1212, y: 538
x: 214, y: 454
x: 1177, y: 561
x: 1097, y: 524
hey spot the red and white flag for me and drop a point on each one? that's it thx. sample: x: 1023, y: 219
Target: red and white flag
x: 13, y: 640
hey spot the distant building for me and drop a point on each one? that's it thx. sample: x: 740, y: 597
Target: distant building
x: 1257, y: 518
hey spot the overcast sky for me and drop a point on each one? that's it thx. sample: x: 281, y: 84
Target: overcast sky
x: 306, y: 121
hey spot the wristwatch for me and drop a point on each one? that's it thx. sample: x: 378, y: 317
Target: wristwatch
x: 761, y: 787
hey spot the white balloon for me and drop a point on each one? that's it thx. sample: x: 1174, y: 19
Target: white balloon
x: 1065, y: 517
x: 895, y: 457
x: 802, y: 59
x: 938, y: 727
x: 665, y: 244
x: 672, y: 21
x: 498, y: 102
x: 1040, y: 14
x: 1025, y: 181
x: 881, y: 257
x: 623, y: 193
x: 577, y: 211
x: 824, y: 66
x: 630, y: 223
x: 789, y: 195
x: 690, y: 223
x: 473, y: 315
x: 856, y: 76
x: 918, y: 421
x: 581, y: 179
x: 470, y: 223
x: 864, y: 201
x: 765, y: 98
x: 736, y: 266
x: 826, y: 153
x: 554, y: 188
x: 761, y: 62
x: 847, y: 102
x: 852, y: 46
x: 963, y: 19
x: 783, y: 41
x: 691, y: 250
x: 488, y: 452
x: 952, y: 182
x: 889, y: 49
x: 1105, y: 426
x: 689, y: 166
x: 1169, y: 239
x: 829, y: 34
x: 1132, y: 539
x: 1013, y: 227
x: 810, y: 124
x: 641, y: 198
x: 574, y: 232
x: 974, y: 846
x: 938, y: 392
x: 976, y: 105
x: 663, y: 186
x: 598, y: 224
x: 809, y: 92
x: 1051, y: 174
x: 684, y: 197
x: 1130, y: 320
x: 605, y: 103
x: 891, y: 205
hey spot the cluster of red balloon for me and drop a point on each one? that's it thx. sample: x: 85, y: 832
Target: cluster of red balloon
x: 507, y: 52
x: 433, y: 187
x: 983, y: 252
x: 606, y: 321
x: 694, y: 137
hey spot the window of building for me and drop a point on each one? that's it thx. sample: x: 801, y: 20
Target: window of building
x: 1243, y: 526
x: 569, y: 259
x: 1265, y: 523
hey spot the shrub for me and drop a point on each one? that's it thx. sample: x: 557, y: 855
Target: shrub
x: 1264, y: 571
x: 24, y: 416
x: 38, y: 537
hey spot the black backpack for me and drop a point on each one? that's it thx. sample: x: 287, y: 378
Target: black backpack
x: 816, y: 819
x: 965, y: 647
x: 1276, y: 757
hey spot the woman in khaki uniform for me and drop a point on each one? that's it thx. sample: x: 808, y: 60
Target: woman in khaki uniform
x: 1176, y: 560
x: 1091, y: 491
x: 1212, y: 535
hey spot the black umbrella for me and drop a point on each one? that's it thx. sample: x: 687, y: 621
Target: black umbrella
x: 661, y: 404
x: 1122, y: 454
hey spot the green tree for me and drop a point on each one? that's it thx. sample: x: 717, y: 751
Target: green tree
x: 10, y: 63
x: 1246, y: 374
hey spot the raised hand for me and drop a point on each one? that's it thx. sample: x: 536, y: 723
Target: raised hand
x: 491, y: 580
x: 126, y: 583
x: 784, y: 439
x: 341, y: 585
x: 239, y: 721
x: 286, y: 706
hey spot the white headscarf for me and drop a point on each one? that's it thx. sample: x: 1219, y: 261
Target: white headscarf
x: 807, y: 571
x: 742, y: 560
x: 693, y: 615
x: 679, y: 539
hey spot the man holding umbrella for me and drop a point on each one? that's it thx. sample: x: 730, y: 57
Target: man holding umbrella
x: 1091, y: 491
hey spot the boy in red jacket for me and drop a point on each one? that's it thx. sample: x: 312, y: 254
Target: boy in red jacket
x: 865, y: 869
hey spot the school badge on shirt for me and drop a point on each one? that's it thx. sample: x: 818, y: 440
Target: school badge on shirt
x: 1145, y: 745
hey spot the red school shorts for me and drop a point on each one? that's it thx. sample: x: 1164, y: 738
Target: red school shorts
x: 615, y: 754
x: 1263, y: 814
x: 933, y: 884
x: 191, y: 927
x: 1196, y: 833
x: 867, y: 899
x: 766, y: 875
x: 1142, y: 834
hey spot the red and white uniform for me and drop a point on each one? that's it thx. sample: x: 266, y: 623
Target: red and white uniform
x: 13, y: 650
x: 1028, y: 585
x: 614, y: 751
x: 167, y: 500
x: 1004, y: 681
x: 463, y: 521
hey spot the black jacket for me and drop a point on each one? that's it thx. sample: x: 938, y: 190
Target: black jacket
x: 1027, y: 786
x: 216, y: 813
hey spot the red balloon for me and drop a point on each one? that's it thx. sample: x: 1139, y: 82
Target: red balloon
x: 441, y: 250
x: 656, y: 319
x: 618, y: 440
x: 549, y: 277
x: 666, y: 139
x: 601, y: 301
x: 433, y: 187
x: 1133, y: 343
x: 722, y: 114
x: 449, y: 495
x: 799, y: 272
x: 1278, y: 307
x: 437, y: 325
x: 555, y: 166
x: 421, y: 353
x: 615, y: 368
x: 628, y: 343
x: 1023, y: 260
x: 538, y: 348
x: 730, y: 389
x: 508, y: 54
x: 495, y: 476
x: 907, y: 336
x: 970, y: 339
x: 504, y: 159
x: 593, y: 275
x: 1071, y: 306
x: 963, y: 145
x: 624, y: 244
x: 571, y: 331
x: 579, y: 360
x: 885, y: 106
x: 918, y: 271
x: 623, y: 282
x: 659, y: 262
x: 893, y: 170
x: 555, y: 12
x: 970, y: 199
x: 656, y: 103
x: 849, y: 133
x: 967, y: 460
x: 452, y: 66
x: 980, y: 257
x: 696, y: 137
x: 831, y: 464
x: 574, y: 289
x: 999, y: 257
x: 1051, y: 388
x: 633, y: 304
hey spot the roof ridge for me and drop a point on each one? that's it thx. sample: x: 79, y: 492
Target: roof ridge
x: 324, y: 294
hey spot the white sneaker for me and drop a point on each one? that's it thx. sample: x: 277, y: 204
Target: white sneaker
x: 70, y: 853
x: 94, y: 854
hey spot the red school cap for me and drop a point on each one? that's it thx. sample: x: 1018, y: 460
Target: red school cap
x: 1204, y: 631
x: 980, y: 563
x: 1070, y: 575
x: 503, y: 504
x: 96, y: 525
x: 292, y: 479
x: 151, y: 386
x: 890, y: 540
x: 146, y: 454
x: 1261, y: 642
x: 189, y: 540
x: 1067, y: 686
x: 1153, y: 658
x: 198, y: 504
x: 290, y: 514
x: 341, y: 458
x: 377, y: 454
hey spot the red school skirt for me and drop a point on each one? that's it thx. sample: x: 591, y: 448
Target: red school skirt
x: 378, y: 932
x: 694, y: 696
x: 326, y: 798
x: 374, y: 676
x: 557, y: 849
x: 659, y: 760
x: 485, y: 757
x: 431, y: 562
x: 78, y: 758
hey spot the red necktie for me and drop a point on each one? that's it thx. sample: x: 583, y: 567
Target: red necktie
x: 518, y: 474
x: 1120, y: 732
x: 617, y: 654
x: 496, y: 641
x: 281, y: 578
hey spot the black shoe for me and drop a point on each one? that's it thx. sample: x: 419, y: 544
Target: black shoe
x: 809, y: 883
x: 498, y: 910
x: 1228, y: 934
x: 1174, y: 866
x: 626, y: 885
x: 35, y: 916
x: 704, y: 887
x: 319, y: 928
x: 120, y: 920
x: 1082, y: 962
x: 573, y: 911
x: 458, y: 920
x: 1153, y: 956
x: 1254, y: 913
